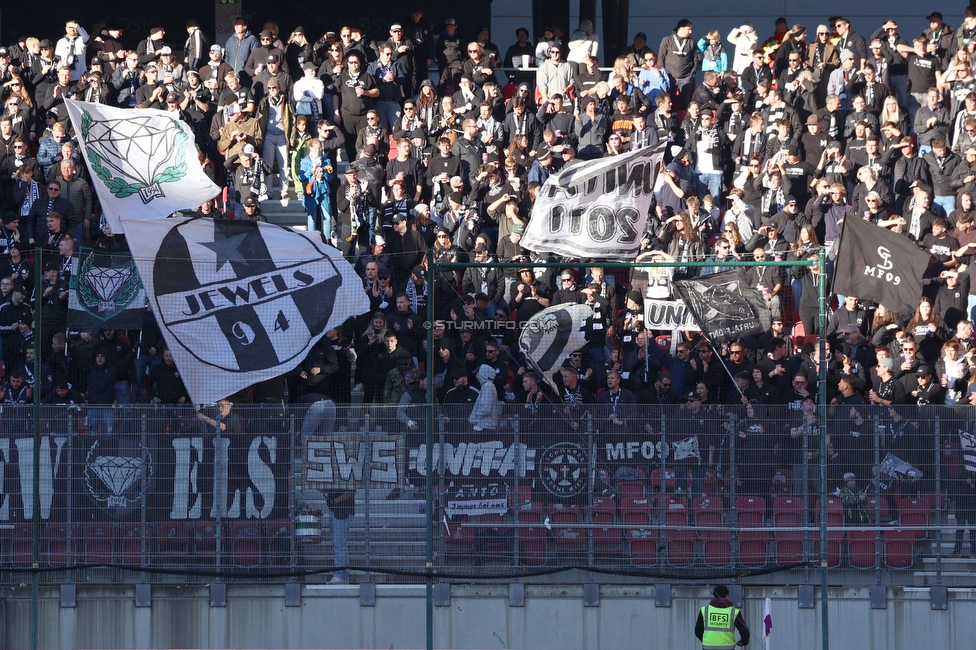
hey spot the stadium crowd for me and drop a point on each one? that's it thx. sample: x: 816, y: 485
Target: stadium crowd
x: 769, y: 146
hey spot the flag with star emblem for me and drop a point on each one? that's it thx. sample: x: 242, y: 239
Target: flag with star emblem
x: 240, y: 301
x: 143, y: 161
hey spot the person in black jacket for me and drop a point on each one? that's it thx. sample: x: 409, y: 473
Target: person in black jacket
x: 101, y: 391
x: 165, y: 384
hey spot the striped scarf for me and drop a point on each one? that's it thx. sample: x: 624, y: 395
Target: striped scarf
x: 33, y: 193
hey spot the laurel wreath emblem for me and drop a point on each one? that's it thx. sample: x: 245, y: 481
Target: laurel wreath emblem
x: 89, y: 296
x: 119, y: 186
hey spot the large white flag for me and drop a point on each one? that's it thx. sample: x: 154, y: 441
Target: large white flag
x: 595, y: 209
x: 143, y: 162
x: 240, y: 301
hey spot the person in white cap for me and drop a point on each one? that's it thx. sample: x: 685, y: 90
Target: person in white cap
x: 745, y: 39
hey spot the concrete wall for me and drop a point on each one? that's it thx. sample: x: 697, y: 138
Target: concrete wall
x: 478, y: 616
x: 657, y: 18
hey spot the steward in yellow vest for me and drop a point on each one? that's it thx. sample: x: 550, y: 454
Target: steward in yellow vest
x: 718, y: 621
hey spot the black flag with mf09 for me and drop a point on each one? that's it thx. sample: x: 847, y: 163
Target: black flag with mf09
x: 874, y: 263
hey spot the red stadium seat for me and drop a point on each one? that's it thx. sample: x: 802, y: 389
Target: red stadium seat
x: 788, y: 511
x: 132, y: 537
x: 899, y: 547
x: 21, y: 545
x: 459, y: 537
x: 495, y: 533
x: 669, y: 478
x: 567, y: 534
x: 99, y: 543
x: 604, y: 518
x: 861, y: 548
x: 245, y: 543
x: 58, y: 540
x: 914, y: 512
x: 532, y: 535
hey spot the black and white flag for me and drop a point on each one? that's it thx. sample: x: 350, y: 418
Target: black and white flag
x: 105, y: 291
x: 877, y: 264
x: 143, y: 161
x: 967, y: 444
x: 240, y: 301
x: 597, y: 209
x: 550, y: 336
x: 893, y: 468
x: 724, y: 307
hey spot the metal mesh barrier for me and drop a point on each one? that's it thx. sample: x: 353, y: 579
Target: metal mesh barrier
x: 693, y: 491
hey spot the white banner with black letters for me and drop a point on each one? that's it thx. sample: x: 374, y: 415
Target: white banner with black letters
x: 595, y: 209
x: 668, y: 315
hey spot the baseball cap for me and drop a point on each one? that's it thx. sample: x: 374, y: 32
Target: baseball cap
x: 172, y: 97
x: 52, y: 266
x: 266, y: 34
x: 399, y: 218
x: 274, y: 83
x: 395, y: 27
x: 935, y: 15
x: 813, y: 119
x: 166, y: 50
x: 273, y: 58
x: 248, y: 149
x: 383, y: 272
x: 923, y: 371
x: 216, y: 48
x: 450, y: 21
x: 250, y: 202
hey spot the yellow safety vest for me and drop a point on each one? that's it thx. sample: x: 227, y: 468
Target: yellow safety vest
x: 719, y: 631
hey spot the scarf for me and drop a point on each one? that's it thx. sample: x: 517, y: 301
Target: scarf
x: 258, y: 186
x: 714, y: 52
x: 33, y: 193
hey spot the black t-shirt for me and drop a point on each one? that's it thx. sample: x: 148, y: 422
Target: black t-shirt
x: 412, y: 172
x: 921, y: 72
x: 353, y: 104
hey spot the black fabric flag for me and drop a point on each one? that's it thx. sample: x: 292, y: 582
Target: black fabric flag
x: 724, y: 307
x: 105, y: 292
x: 550, y: 336
x: 876, y: 264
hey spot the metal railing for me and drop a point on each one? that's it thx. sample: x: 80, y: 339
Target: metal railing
x: 148, y: 493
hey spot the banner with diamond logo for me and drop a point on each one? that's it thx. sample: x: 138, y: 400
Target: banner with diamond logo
x: 143, y: 161
x: 105, y: 291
